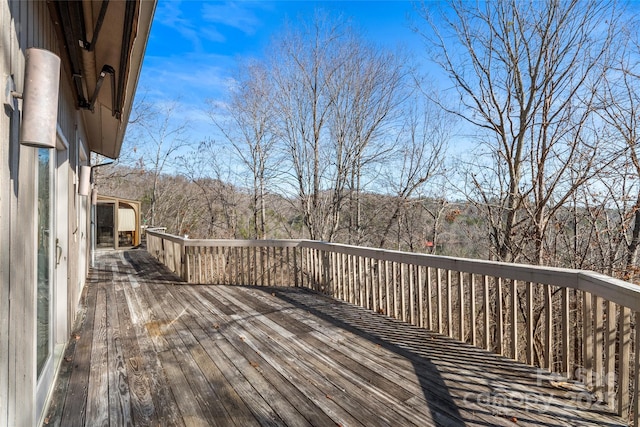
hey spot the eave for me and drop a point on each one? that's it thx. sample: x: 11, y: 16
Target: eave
x: 103, y: 44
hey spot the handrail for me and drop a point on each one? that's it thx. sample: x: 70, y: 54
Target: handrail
x: 573, y: 322
x: 612, y: 289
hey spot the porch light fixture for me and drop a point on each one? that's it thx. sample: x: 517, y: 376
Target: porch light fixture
x: 39, y: 98
x: 85, y: 181
x: 86, y: 178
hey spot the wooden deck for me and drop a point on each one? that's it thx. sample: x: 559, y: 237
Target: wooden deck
x: 149, y: 350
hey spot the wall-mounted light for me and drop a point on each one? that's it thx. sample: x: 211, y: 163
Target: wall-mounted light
x: 39, y: 98
x: 85, y: 181
x: 86, y: 178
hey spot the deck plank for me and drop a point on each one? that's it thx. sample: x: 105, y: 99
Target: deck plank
x: 97, y: 412
x: 292, y: 408
x: 118, y: 382
x: 350, y: 385
x: 74, y: 397
x: 268, y: 363
x: 141, y: 400
x: 153, y: 350
x: 165, y: 409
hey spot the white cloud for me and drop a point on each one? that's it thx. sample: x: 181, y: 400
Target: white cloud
x: 238, y: 15
x: 170, y: 15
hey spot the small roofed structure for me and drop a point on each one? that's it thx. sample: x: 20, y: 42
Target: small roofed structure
x: 117, y: 222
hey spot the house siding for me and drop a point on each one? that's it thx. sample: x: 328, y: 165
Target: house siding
x: 25, y: 24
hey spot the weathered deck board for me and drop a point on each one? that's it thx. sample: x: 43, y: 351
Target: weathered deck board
x: 151, y: 351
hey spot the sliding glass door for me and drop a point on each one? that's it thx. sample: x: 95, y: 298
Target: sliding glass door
x: 45, y: 258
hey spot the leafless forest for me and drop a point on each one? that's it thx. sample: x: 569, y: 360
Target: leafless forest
x: 512, y: 135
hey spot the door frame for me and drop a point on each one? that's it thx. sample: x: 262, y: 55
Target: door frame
x: 58, y: 271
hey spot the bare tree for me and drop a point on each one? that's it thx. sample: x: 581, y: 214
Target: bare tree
x: 333, y: 98
x: 421, y: 151
x: 367, y: 93
x: 524, y: 74
x: 158, y: 138
x: 621, y: 112
x: 208, y: 167
x: 247, y: 122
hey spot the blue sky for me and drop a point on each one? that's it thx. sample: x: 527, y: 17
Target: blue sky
x: 195, y: 45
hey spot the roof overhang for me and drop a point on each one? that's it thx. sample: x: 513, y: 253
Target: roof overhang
x: 103, y: 44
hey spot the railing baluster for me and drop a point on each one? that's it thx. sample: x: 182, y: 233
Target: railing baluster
x: 238, y: 268
x: 529, y: 322
x: 372, y: 283
x: 334, y: 289
x: 187, y: 260
x: 412, y: 294
x: 263, y: 263
x: 420, y: 283
x: 244, y: 265
x: 514, y: 319
x: 636, y: 370
x: 228, y: 266
x: 487, y: 331
x: 353, y: 279
x: 472, y: 305
x: 403, y: 289
x: 387, y: 298
x: 380, y: 307
x: 343, y: 282
x: 279, y: 266
x: 610, y: 353
x: 296, y: 272
x: 429, y: 301
x: 623, y: 363
x: 548, y: 322
x: 449, y: 308
x: 209, y: 263
x: 271, y: 265
x: 356, y: 279
x: 439, y: 298
x: 461, y: 305
x: 347, y: 277
x: 565, y: 333
x: 598, y: 346
x: 499, y: 317
x: 219, y: 266
x: 587, y: 337
x: 365, y: 274
x: 394, y: 271
x: 315, y: 265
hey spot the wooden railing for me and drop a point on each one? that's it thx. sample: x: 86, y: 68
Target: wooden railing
x: 572, y: 322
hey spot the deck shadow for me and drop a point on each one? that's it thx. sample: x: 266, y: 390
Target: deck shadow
x: 442, y: 405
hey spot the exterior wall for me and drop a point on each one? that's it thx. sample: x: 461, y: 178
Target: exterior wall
x: 25, y: 24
